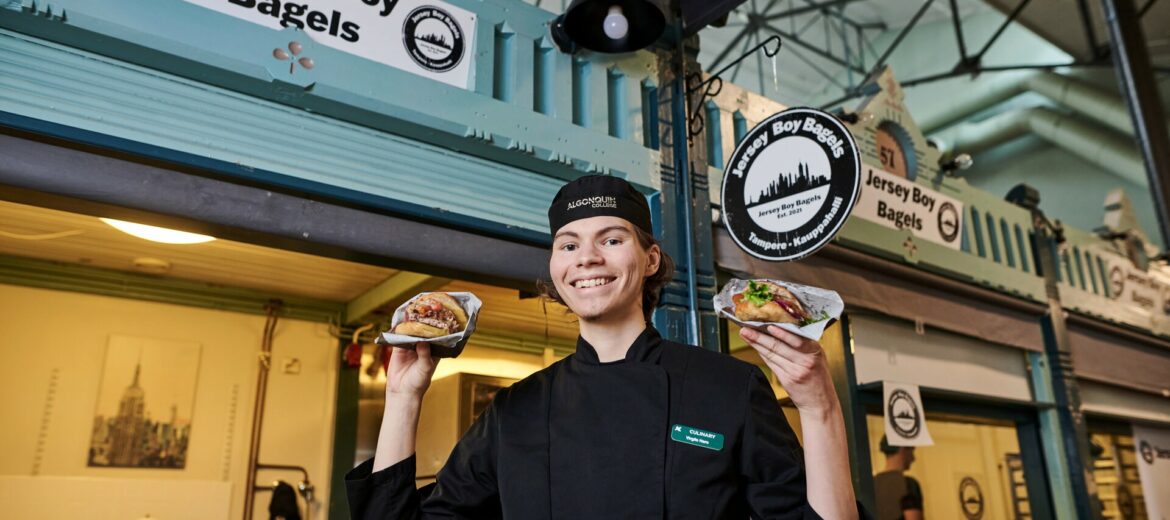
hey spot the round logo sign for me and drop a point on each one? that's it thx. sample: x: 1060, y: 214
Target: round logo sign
x: 971, y: 498
x: 433, y: 39
x: 790, y: 184
x: 903, y: 415
x: 1116, y: 282
x: 948, y: 222
x: 1147, y: 452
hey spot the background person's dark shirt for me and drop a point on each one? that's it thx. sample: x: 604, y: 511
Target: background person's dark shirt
x: 895, y: 493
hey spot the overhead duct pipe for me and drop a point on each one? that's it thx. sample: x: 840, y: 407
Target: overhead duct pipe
x: 1099, y: 105
x: 1111, y: 151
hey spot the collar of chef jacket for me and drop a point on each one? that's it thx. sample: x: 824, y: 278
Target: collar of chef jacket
x: 646, y: 348
x: 607, y: 431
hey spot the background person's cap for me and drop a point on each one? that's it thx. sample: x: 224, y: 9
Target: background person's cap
x: 885, y: 447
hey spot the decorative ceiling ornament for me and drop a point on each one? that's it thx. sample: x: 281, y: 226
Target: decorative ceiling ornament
x: 293, y: 59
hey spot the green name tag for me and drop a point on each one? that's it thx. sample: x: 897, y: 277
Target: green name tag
x: 696, y: 437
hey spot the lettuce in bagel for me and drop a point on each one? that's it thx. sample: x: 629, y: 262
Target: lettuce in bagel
x: 771, y: 303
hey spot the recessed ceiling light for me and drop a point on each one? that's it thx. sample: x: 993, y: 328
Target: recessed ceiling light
x: 157, y: 234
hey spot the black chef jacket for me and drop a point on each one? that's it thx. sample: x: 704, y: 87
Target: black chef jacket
x: 591, y: 440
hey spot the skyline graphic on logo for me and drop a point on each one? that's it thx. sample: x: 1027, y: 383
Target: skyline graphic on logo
x: 788, y: 183
x: 435, y: 39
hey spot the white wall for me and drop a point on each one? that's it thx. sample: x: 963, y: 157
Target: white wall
x: 48, y: 336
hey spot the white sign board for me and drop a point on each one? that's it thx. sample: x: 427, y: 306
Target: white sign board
x: 1134, y: 288
x: 898, y: 203
x: 1153, y: 462
x: 426, y: 37
x: 905, y: 419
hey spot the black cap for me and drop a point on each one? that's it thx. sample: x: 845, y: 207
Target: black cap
x: 885, y: 447
x: 598, y: 196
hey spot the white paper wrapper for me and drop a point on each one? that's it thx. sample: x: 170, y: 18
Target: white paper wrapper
x: 816, y: 301
x: 447, y: 346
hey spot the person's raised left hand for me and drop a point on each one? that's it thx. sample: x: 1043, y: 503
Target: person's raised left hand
x: 799, y: 363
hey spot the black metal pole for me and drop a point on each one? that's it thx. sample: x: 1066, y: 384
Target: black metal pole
x: 1136, y: 78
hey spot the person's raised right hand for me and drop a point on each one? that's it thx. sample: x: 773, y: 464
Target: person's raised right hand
x: 410, y: 371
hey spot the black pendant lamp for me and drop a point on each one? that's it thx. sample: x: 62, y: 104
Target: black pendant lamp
x: 610, y: 26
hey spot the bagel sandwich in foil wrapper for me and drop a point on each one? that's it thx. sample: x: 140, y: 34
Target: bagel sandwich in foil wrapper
x: 764, y: 301
x: 444, y: 346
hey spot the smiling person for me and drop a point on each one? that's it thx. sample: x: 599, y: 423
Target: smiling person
x: 631, y: 425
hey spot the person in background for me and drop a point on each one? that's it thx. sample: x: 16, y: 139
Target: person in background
x: 898, y: 496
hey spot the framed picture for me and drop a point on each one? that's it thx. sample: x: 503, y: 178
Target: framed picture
x: 145, y: 404
x: 475, y: 394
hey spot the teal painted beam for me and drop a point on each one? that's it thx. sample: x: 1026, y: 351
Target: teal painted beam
x: 616, y: 102
x: 119, y: 284
x: 1055, y: 458
x: 504, y: 71
x: 391, y: 292
x: 714, y: 135
x: 543, y: 70
x: 171, y: 37
x: 582, y: 93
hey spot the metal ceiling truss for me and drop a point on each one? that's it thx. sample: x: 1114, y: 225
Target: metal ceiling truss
x: 762, y: 23
x: 850, y: 57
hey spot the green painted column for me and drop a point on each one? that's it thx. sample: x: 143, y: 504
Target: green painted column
x: 683, y: 213
x: 344, y: 435
x: 1065, y: 437
x: 1052, y: 442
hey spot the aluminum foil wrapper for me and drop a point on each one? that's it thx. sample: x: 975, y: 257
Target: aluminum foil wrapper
x: 818, y: 302
x: 448, y: 346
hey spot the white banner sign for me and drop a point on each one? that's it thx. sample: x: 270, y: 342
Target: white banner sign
x: 1153, y: 462
x: 426, y: 37
x: 1134, y: 288
x: 898, y: 203
x: 904, y: 416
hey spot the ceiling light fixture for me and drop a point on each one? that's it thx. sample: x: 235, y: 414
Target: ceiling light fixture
x: 157, y: 234
x: 608, y: 26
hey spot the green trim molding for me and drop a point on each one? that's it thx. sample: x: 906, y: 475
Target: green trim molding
x: 119, y: 284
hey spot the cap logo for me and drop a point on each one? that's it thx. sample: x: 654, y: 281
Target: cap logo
x: 594, y: 202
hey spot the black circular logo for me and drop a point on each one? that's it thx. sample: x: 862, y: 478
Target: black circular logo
x: 903, y: 415
x: 1147, y: 452
x: 790, y: 184
x: 948, y: 222
x: 1116, y: 282
x: 971, y: 498
x: 433, y: 39
x: 1125, y: 504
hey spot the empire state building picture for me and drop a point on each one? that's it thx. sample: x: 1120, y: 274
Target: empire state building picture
x: 144, y: 406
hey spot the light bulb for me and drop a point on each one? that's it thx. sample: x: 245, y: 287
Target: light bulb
x: 616, y: 26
